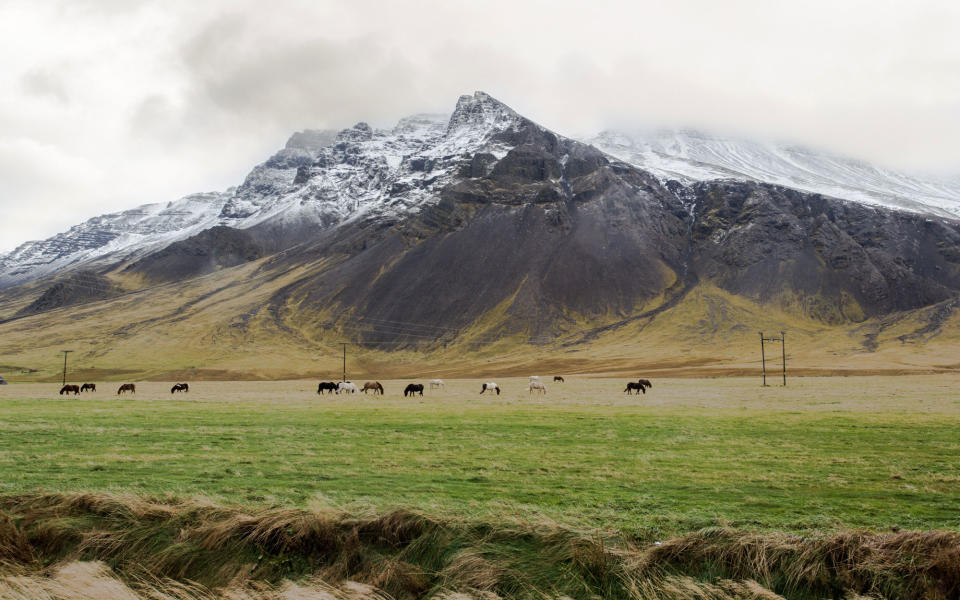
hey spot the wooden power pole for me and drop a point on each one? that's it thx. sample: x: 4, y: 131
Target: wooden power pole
x: 344, y: 344
x: 763, y: 361
x: 65, y: 353
x: 783, y: 355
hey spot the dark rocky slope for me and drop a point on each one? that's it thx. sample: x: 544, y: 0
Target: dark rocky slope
x: 840, y: 260
x: 212, y: 249
x: 556, y: 234
x: 78, y: 287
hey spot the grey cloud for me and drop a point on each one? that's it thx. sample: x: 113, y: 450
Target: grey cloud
x: 43, y: 82
x: 237, y: 76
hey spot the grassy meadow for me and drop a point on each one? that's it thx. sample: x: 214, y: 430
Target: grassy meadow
x: 701, y: 488
x: 823, y: 453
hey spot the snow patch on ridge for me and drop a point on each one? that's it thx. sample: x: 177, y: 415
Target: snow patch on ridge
x: 689, y: 156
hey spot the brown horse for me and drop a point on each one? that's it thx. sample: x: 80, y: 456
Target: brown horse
x: 372, y: 385
x: 557, y: 378
x: 127, y: 387
x: 180, y: 387
x: 92, y: 387
x: 645, y: 383
x: 70, y: 388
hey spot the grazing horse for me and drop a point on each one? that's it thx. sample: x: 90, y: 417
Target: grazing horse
x: 537, y: 385
x: 437, y: 383
x: 635, y: 386
x: 92, y: 387
x: 326, y: 386
x: 413, y: 388
x: 70, y: 388
x: 645, y: 383
x: 373, y: 385
x: 346, y: 386
x: 490, y: 386
x: 557, y: 378
x: 180, y: 387
x: 127, y: 387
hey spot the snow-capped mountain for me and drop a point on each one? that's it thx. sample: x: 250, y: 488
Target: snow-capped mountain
x: 119, y: 235
x: 688, y: 156
x: 321, y: 178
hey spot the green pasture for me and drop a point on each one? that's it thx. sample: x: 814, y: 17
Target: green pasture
x: 650, y: 466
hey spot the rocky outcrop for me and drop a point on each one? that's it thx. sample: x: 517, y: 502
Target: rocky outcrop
x: 215, y: 248
x: 79, y: 287
x: 840, y: 261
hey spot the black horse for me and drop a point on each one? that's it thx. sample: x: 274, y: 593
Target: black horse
x: 635, y: 386
x: 180, y: 387
x: 557, y: 378
x: 92, y: 387
x: 326, y: 386
x: 412, y: 389
x: 645, y: 383
x: 70, y: 388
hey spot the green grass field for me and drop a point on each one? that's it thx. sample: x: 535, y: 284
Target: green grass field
x: 823, y: 454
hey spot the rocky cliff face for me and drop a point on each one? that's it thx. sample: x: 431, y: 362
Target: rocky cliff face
x: 839, y: 261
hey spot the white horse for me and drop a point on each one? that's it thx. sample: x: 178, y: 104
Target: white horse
x: 490, y: 386
x: 346, y: 386
x: 534, y: 378
x: 437, y: 383
x: 537, y: 385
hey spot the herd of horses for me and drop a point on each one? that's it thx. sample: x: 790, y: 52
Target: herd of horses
x: 346, y: 387
x: 126, y: 387
x: 535, y: 385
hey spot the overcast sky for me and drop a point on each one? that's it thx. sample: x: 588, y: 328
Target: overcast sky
x: 105, y: 105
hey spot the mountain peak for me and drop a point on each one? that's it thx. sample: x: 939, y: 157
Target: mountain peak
x: 361, y: 132
x: 311, y: 139
x: 481, y: 110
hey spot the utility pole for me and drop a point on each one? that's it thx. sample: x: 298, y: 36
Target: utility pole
x: 65, y: 352
x: 783, y: 355
x: 763, y: 361
x: 344, y: 344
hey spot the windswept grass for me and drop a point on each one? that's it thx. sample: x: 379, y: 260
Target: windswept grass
x: 185, y: 549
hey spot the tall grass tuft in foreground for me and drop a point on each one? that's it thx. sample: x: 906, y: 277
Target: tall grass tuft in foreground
x: 73, y: 546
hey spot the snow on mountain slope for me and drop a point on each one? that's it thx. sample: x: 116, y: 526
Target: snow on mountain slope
x: 689, y: 156
x: 121, y: 235
x: 324, y: 178
x: 320, y: 178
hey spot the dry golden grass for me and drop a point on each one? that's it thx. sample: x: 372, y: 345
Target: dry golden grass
x: 218, y: 327
x: 914, y: 394
x: 231, y: 553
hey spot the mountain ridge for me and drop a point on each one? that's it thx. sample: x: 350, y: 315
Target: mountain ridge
x: 487, y: 233
x: 308, y: 184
